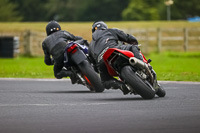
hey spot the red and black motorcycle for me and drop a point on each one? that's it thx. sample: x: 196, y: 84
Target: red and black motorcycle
x: 138, y: 76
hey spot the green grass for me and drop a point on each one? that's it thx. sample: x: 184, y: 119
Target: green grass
x: 24, y: 67
x: 168, y: 66
x: 177, y: 66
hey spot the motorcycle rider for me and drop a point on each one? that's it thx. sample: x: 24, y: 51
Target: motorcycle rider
x: 104, y: 38
x: 54, y: 47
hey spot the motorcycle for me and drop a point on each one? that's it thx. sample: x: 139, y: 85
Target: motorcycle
x: 76, y: 60
x: 137, y: 75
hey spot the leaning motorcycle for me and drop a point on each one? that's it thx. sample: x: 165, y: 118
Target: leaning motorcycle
x: 76, y: 60
x: 137, y: 75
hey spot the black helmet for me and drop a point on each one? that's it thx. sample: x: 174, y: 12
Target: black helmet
x: 99, y: 25
x: 52, y: 26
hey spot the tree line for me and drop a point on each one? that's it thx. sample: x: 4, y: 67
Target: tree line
x: 92, y: 10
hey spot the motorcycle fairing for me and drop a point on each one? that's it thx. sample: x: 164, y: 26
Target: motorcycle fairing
x: 111, y: 50
x: 144, y: 59
x: 77, y: 56
x: 83, y: 48
x: 108, y: 53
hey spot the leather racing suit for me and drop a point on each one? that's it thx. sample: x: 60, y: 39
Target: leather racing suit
x: 54, y: 46
x: 109, y: 38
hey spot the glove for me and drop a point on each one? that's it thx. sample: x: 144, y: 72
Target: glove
x: 86, y: 43
x: 135, y: 43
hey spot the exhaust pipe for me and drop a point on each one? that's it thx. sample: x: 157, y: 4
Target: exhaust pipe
x: 141, y: 65
x: 138, y: 63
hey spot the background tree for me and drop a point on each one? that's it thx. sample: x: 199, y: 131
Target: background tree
x: 181, y: 10
x: 8, y: 11
x: 85, y: 10
x: 31, y: 10
x: 107, y: 10
x: 142, y: 10
x: 62, y: 10
x: 91, y: 10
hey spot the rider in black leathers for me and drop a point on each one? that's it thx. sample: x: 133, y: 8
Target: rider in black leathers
x: 102, y: 38
x: 54, y: 47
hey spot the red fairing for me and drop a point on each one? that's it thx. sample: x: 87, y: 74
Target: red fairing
x: 144, y: 59
x: 108, y: 53
x: 111, y: 50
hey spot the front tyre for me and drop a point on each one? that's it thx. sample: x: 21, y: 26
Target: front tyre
x: 161, y: 92
x: 139, y: 86
x: 91, y: 76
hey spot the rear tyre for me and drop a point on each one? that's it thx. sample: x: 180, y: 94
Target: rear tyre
x: 140, y: 87
x: 91, y: 75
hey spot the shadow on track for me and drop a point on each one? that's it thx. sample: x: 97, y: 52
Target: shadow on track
x: 119, y: 99
x: 64, y: 92
x: 124, y: 99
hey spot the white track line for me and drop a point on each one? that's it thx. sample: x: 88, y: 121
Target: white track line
x: 33, y: 79
x: 179, y: 82
x: 59, y: 104
x: 67, y: 79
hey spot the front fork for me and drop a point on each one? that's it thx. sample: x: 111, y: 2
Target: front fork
x: 155, y: 83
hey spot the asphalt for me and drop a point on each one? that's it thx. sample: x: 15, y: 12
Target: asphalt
x: 57, y: 106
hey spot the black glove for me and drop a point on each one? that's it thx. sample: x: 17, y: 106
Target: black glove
x: 135, y: 42
x: 86, y: 43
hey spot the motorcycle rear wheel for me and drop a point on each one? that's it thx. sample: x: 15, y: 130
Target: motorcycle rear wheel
x: 139, y: 86
x: 91, y: 75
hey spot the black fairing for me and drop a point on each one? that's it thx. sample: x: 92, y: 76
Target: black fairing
x: 73, y: 59
x: 78, y: 56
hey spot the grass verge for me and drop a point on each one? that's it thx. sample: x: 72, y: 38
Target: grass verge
x: 168, y: 66
x: 24, y: 67
x: 177, y: 66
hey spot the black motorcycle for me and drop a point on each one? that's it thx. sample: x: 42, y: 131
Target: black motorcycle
x: 76, y: 60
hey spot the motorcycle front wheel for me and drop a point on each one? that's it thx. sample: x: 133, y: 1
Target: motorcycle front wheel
x: 91, y: 76
x: 161, y: 92
x: 139, y: 86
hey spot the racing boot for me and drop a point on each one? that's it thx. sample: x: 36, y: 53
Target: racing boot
x: 115, y: 84
x: 124, y: 89
x: 67, y: 73
x: 156, y: 86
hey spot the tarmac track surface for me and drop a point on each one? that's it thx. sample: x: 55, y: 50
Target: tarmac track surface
x: 57, y: 106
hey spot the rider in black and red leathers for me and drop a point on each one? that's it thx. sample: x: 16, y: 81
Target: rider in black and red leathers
x: 104, y: 38
x: 54, y: 47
